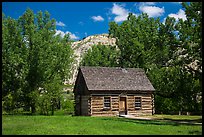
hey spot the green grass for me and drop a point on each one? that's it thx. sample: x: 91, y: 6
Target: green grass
x: 76, y: 125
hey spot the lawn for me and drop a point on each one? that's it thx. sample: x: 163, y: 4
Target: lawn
x: 85, y: 125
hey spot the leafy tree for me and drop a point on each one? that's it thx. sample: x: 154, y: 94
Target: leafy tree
x: 33, y: 57
x: 49, y: 97
x: 14, y: 67
x: 190, y: 36
x: 136, y: 39
x: 165, y: 55
x: 101, y: 55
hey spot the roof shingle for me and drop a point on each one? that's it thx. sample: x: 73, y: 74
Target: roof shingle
x: 110, y: 78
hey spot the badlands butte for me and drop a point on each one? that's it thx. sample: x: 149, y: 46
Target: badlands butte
x: 82, y: 46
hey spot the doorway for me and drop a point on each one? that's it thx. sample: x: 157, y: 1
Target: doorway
x: 122, y: 106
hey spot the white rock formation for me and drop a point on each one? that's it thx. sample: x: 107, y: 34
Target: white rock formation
x: 82, y: 46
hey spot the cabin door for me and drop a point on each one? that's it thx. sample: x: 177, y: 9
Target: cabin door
x: 122, y: 106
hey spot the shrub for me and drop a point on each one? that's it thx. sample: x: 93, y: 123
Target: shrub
x: 68, y: 106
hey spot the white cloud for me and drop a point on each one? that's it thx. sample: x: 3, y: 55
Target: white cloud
x: 146, y: 3
x: 179, y: 15
x: 120, y: 12
x: 97, y: 18
x: 176, y: 2
x: 60, y: 24
x: 62, y: 33
x: 152, y: 11
x: 73, y: 36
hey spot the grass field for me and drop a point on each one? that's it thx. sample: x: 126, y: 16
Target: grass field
x: 76, y: 125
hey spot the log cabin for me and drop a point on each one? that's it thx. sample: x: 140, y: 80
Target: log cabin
x: 113, y: 91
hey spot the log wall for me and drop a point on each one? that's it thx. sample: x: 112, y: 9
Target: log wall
x: 77, y: 105
x: 146, y: 105
x: 97, y: 103
x: 85, y: 105
x: 97, y: 108
x: 94, y: 105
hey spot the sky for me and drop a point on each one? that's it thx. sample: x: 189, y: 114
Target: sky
x: 82, y: 19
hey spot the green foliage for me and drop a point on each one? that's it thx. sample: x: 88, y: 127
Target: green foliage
x: 190, y: 35
x: 165, y: 56
x: 164, y: 51
x: 101, y: 55
x: 68, y: 106
x: 44, y: 104
x: 49, y: 98
x: 137, y: 39
x: 32, y: 58
x: 7, y: 104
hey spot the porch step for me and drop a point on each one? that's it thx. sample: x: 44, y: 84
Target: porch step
x: 126, y: 116
x: 135, y: 117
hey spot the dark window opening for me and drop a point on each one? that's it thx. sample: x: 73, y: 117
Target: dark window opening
x: 138, y: 103
x: 107, y: 102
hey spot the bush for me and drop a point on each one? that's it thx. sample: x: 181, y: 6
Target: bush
x: 68, y: 106
x: 7, y: 105
x: 43, y: 104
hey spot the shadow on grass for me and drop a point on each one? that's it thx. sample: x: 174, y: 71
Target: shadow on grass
x: 157, y: 122
x: 195, y: 132
x: 19, y: 114
x: 185, y: 120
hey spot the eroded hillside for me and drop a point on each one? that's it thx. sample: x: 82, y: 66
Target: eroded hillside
x: 82, y: 46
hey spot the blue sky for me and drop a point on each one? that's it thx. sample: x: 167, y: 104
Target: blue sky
x: 81, y: 19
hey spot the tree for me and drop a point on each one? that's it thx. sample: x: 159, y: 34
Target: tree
x: 33, y: 57
x: 190, y: 36
x: 136, y: 39
x: 101, y: 55
x: 14, y: 67
x: 170, y: 53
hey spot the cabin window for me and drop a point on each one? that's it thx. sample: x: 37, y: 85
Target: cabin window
x: 107, y: 102
x: 138, y: 103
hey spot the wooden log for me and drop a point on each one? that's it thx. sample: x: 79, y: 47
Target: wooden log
x: 146, y: 106
x: 96, y: 104
x: 102, y: 112
x: 146, y: 102
x: 97, y: 107
x: 114, y: 103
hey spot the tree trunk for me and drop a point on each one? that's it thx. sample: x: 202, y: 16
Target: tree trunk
x: 52, y: 106
x: 59, y: 104
x: 33, y: 110
x: 180, y: 112
x: 52, y: 109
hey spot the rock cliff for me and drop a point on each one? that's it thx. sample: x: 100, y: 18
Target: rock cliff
x: 82, y: 46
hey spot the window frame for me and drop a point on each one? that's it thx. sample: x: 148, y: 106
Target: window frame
x: 106, y: 102
x: 138, y: 102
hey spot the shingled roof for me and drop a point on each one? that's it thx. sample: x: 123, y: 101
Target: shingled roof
x: 110, y: 78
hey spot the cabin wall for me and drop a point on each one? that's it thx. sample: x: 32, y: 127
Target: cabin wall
x: 81, y: 95
x: 97, y: 105
x: 85, y: 105
x: 77, y: 105
x: 146, y: 108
